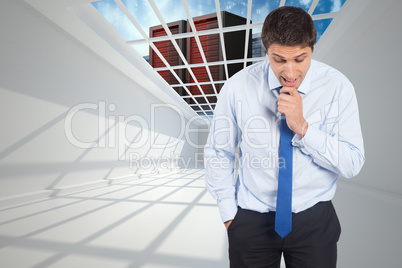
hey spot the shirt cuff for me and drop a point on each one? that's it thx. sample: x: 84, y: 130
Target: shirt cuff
x: 228, y: 209
x: 314, y: 139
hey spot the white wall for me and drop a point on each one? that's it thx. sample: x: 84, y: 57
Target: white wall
x: 365, y: 44
x: 44, y: 74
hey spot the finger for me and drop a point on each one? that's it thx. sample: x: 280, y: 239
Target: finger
x: 283, y: 103
x: 283, y: 106
x: 286, y: 97
x: 289, y: 106
x: 283, y: 110
x: 227, y: 224
x: 290, y: 90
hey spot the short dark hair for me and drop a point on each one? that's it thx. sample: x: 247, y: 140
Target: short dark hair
x: 288, y: 26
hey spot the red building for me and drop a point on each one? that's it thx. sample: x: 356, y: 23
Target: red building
x: 211, y: 45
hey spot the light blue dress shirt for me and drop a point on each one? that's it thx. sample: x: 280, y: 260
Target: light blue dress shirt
x: 242, y: 157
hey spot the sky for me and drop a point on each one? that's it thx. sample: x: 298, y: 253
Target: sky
x: 172, y: 10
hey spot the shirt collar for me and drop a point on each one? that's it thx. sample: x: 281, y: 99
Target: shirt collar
x: 273, y: 82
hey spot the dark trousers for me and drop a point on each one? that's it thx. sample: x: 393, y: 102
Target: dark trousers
x: 312, y: 243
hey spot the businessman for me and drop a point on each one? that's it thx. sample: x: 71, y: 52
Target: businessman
x: 292, y: 126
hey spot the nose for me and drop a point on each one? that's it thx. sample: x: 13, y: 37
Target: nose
x: 289, y: 70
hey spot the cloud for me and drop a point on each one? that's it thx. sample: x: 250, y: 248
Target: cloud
x: 116, y: 17
x: 336, y: 5
x: 171, y: 10
x: 306, y: 3
x: 260, y: 10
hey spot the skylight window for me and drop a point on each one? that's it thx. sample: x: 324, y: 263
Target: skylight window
x: 328, y: 6
x: 190, y: 43
x: 304, y: 4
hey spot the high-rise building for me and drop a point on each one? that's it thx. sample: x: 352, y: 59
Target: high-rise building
x: 257, y: 46
x: 212, y: 49
x: 211, y: 45
x: 169, y: 52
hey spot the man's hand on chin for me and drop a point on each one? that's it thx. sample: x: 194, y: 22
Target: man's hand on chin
x: 291, y: 105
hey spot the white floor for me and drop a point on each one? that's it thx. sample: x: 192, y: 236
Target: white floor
x: 155, y: 221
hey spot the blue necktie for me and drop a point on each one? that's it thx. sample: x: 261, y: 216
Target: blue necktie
x: 283, y: 218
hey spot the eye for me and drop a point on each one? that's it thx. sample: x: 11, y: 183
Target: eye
x: 279, y: 60
x: 299, y: 60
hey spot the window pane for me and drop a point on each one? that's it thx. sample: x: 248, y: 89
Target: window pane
x: 116, y: 17
x: 328, y: 6
x: 238, y: 7
x: 304, y: 4
x: 201, y: 7
x: 143, y: 14
x: 261, y: 8
x: 321, y: 26
x: 258, y: 49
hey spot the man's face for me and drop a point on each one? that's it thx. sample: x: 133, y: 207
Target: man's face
x: 289, y: 64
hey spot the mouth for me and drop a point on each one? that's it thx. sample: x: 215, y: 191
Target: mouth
x: 289, y: 82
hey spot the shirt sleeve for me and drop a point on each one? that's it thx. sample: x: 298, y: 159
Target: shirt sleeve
x: 219, y: 154
x: 333, y: 138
